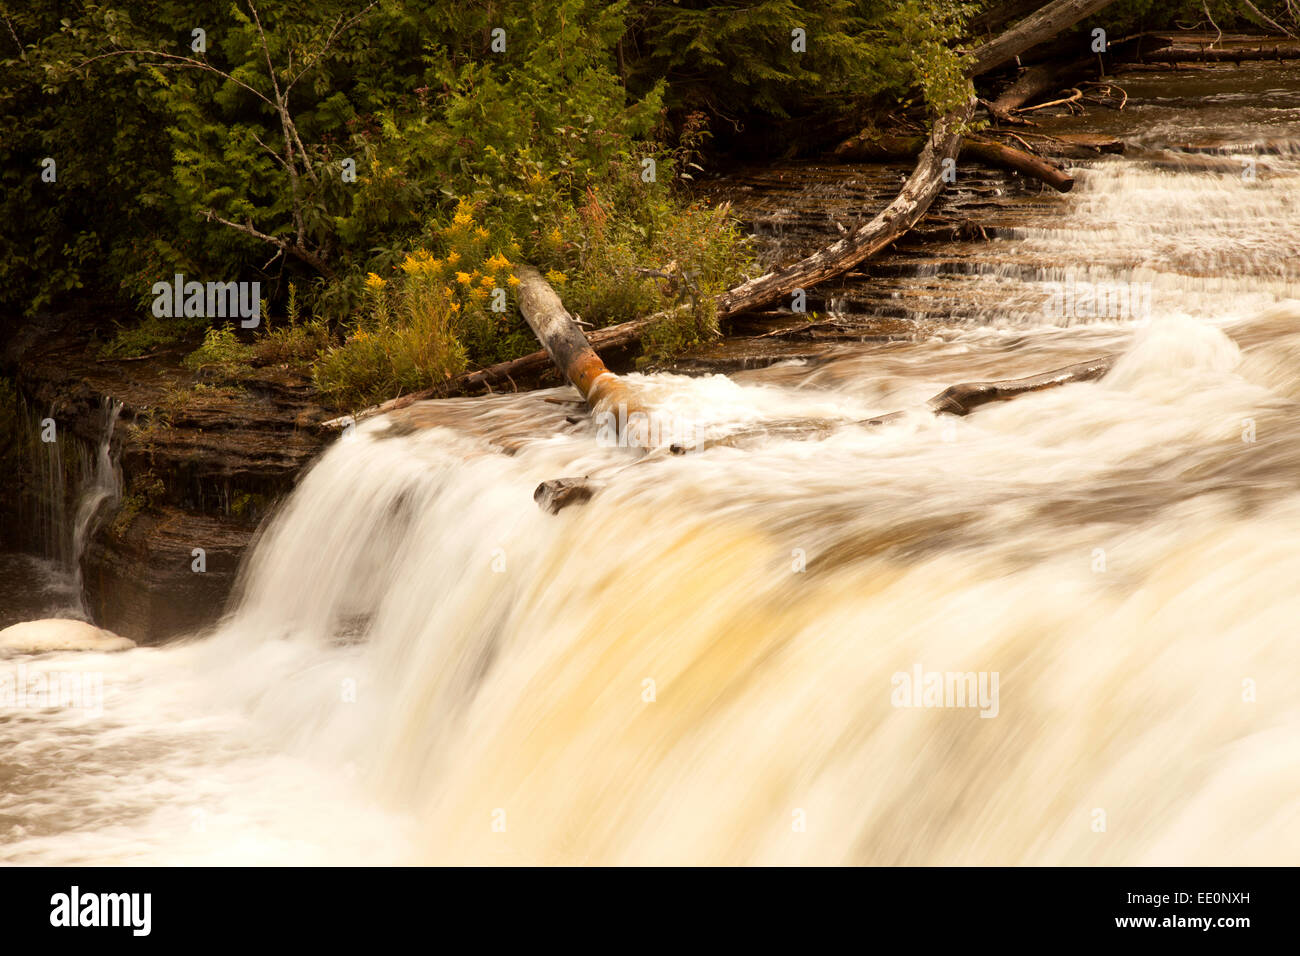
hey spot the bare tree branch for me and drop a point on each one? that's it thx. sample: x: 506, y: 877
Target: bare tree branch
x: 1267, y: 19
x: 298, y: 252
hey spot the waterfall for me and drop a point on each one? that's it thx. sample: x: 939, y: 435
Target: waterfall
x: 1060, y: 630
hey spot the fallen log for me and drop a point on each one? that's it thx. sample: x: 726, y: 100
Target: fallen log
x: 997, y: 154
x: 1076, y: 145
x: 1194, y: 54
x: 994, y: 20
x: 964, y: 398
x: 1032, y: 30
x: 911, y: 203
x: 1036, y: 81
x: 567, y: 346
x: 887, y: 147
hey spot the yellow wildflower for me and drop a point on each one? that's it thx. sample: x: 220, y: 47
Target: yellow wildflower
x: 453, y: 257
x: 463, y: 278
x: 374, y: 283
x: 481, y: 232
x: 498, y: 263
x: 513, y: 280
x: 556, y: 278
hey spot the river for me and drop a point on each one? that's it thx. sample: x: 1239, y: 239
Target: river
x: 712, y: 661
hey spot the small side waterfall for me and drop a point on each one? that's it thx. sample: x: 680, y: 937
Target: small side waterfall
x: 102, y: 490
x: 49, y: 509
x: 74, y: 485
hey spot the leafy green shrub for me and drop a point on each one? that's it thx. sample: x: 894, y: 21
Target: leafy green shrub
x: 223, y: 353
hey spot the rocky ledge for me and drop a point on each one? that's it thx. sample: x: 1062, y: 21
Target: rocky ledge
x: 201, y: 463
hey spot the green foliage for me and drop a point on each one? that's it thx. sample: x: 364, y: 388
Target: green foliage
x: 150, y: 335
x: 1133, y: 16
x: 738, y: 58
x: 294, y: 345
x: 390, y: 361
x: 222, y: 353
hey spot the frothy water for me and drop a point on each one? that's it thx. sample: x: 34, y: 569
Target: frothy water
x: 702, y: 664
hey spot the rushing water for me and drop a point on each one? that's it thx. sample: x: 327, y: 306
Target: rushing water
x: 701, y: 664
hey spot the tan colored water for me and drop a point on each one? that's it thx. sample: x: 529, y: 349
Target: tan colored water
x: 704, y: 664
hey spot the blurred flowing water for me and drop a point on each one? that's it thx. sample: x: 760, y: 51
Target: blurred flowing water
x: 702, y: 664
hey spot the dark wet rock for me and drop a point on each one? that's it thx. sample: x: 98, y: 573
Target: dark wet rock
x: 559, y: 493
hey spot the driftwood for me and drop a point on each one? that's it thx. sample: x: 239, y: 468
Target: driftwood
x: 962, y: 399
x: 911, y: 203
x: 998, y: 154
x: 1074, y: 97
x: 1034, y: 82
x: 1076, y: 145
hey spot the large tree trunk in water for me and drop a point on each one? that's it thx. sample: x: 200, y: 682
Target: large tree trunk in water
x: 1031, y: 31
x: 997, y: 154
x: 566, y: 345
